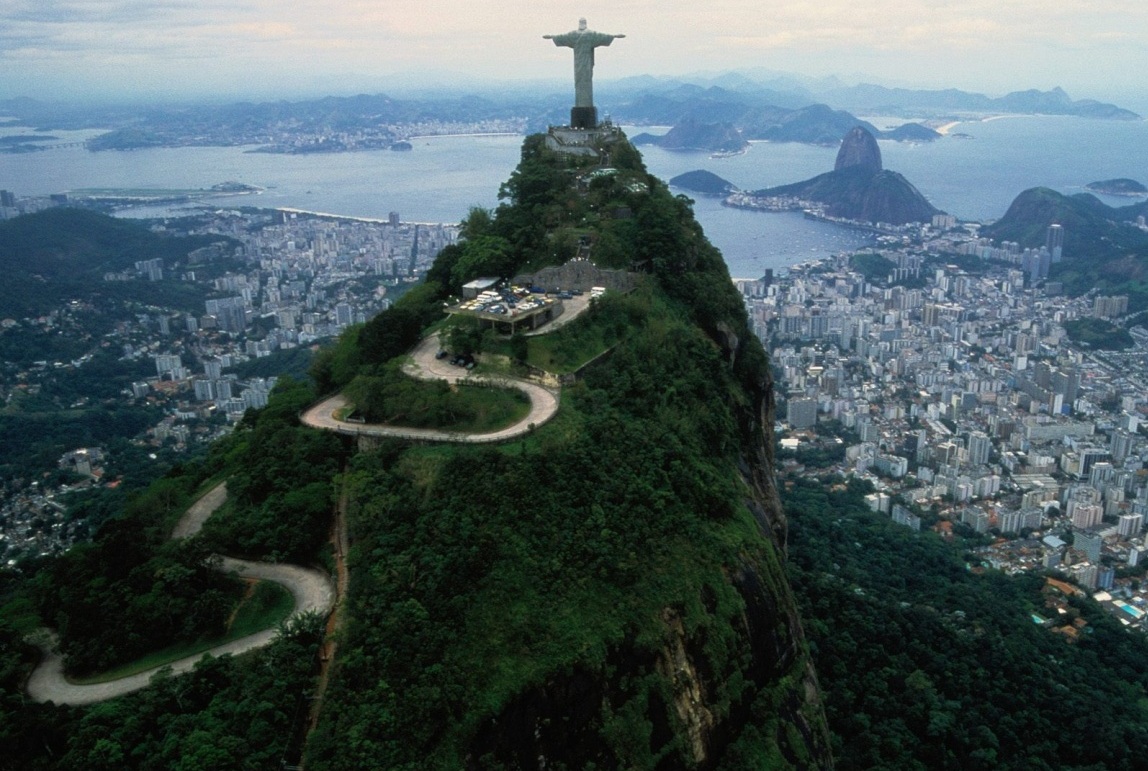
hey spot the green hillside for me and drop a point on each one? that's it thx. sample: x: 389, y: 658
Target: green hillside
x: 1102, y: 247
x: 605, y: 591
x: 609, y: 591
x: 62, y: 254
x: 1091, y: 229
x: 930, y: 661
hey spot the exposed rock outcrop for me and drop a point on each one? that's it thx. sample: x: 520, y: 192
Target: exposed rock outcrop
x: 859, y: 188
x: 858, y: 150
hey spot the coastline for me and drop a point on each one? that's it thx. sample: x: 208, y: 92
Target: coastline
x: 329, y: 215
x: 479, y: 134
x: 946, y: 128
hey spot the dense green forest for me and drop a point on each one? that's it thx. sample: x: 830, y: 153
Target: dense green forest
x: 480, y: 574
x: 548, y: 581
x: 228, y: 714
x: 72, y: 249
x: 928, y: 665
x: 132, y: 591
x: 1098, y: 334
x: 281, y: 483
x: 295, y: 362
x: 391, y: 397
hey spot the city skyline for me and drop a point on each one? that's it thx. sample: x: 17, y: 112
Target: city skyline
x: 129, y: 49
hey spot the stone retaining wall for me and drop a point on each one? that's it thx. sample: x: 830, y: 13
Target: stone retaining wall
x: 578, y: 274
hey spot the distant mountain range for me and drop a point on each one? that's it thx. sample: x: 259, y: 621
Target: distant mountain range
x: 816, y: 124
x: 727, y: 99
x: 872, y: 99
x: 768, y: 107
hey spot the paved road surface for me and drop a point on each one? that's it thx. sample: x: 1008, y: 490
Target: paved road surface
x: 312, y: 590
x: 192, y: 521
x: 423, y: 364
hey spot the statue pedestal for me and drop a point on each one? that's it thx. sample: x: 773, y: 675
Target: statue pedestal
x: 583, y: 117
x: 586, y: 142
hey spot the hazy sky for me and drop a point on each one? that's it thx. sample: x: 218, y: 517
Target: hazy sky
x: 259, y: 48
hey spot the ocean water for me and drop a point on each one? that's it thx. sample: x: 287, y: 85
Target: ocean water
x: 438, y: 181
x: 974, y: 177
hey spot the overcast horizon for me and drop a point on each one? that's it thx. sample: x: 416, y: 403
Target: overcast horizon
x: 174, y: 50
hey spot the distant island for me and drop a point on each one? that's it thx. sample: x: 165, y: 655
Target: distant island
x: 25, y: 143
x: 1119, y: 186
x: 704, y: 183
x: 692, y: 134
x: 109, y: 199
x: 910, y: 132
x: 785, y: 109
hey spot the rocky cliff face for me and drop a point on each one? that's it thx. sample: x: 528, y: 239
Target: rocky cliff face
x: 693, y: 721
x: 859, y: 189
x: 858, y: 150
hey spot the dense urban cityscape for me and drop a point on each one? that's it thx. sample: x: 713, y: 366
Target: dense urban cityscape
x: 305, y: 279
x: 951, y: 384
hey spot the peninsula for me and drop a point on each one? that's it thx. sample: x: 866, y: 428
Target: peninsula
x: 704, y: 183
x: 1121, y: 186
x: 858, y: 189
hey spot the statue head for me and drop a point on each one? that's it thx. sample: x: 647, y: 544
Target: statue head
x: 581, y: 25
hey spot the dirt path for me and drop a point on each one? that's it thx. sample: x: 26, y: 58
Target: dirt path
x: 340, y: 541
x: 312, y: 590
x: 424, y: 365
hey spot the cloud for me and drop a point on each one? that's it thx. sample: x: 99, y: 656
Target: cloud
x: 246, y: 39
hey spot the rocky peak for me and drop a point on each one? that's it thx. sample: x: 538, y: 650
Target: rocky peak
x: 858, y: 148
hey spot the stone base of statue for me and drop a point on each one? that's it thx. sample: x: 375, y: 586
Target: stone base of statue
x: 587, y: 142
x: 583, y: 117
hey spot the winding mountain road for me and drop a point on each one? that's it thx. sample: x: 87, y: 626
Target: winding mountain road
x: 312, y: 590
x: 424, y: 365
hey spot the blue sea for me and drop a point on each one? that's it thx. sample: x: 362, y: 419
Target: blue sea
x: 974, y: 177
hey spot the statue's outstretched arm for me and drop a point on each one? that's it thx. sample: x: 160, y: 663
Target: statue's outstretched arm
x: 567, y: 39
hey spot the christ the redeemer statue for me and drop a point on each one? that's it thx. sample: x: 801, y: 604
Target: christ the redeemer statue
x: 583, y: 41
